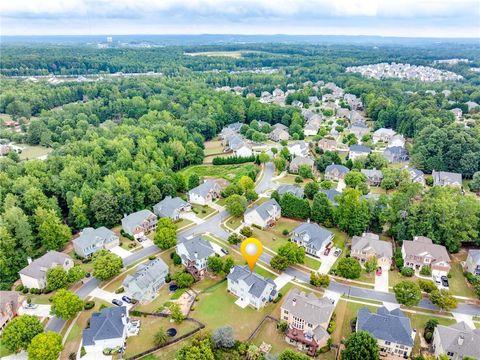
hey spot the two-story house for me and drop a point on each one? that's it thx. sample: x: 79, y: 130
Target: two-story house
x: 171, y: 208
x: 327, y: 144
x: 458, y: 341
x: 444, y: 178
x: 250, y: 287
x: 291, y: 189
x: 369, y: 245
x: 264, y: 215
x: 34, y: 275
x: 140, y: 223
x: 423, y: 252
x: 144, y: 284
x: 312, y: 237
x: 472, y: 264
x: 92, y: 240
x: 374, y: 176
x: 299, y: 148
x: 194, y: 254
x: 392, y: 329
x: 107, y: 329
x: 358, y: 151
x: 383, y: 134
x: 301, y: 161
x: 307, y: 317
x: 205, y: 193
x: 335, y: 172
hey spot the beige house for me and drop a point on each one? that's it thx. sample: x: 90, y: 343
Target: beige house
x: 8, y: 307
x: 457, y: 341
x: 34, y: 276
x: 423, y: 252
x: 368, y: 245
x: 327, y: 144
x: 299, y: 161
x: 264, y: 215
x: 307, y: 317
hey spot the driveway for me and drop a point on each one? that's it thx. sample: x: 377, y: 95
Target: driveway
x: 191, y: 216
x: 108, y: 296
x: 381, y: 281
x: 327, y: 262
x: 282, y: 280
x: 42, y: 311
x: 217, y: 248
x: 332, y: 295
x: 118, y: 250
x: 147, y: 243
x: 265, y: 182
x: 467, y: 319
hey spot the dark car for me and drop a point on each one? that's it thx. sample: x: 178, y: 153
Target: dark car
x: 225, y: 251
x: 117, y: 302
x: 126, y: 299
x: 444, y: 281
x: 173, y: 287
x: 172, y: 332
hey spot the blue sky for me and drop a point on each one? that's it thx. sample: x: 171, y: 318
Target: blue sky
x: 416, y: 18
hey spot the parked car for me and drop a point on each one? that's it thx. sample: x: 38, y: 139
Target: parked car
x: 337, y: 252
x: 117, y: 302
x: 437, y: 279
x: 444, y: 281
x: 327, y: 251
x: 225, y: 251
x: 379, y: 271
x: 126, y: 299
x: 26, y: 305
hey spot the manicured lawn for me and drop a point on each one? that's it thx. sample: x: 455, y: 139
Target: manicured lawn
x: 117, y: 282
x: 312, y: 263
x: 273, y: 238
x: 41, y: 299
x: 228, y: 172
x: 269, y: 334
x: 202, y: 211
x: 234, y: 222
x: 458, y: 283
x: 167, y: 353
x: 367, y: 277
x: 216, y: 307
x: 345, y: 312
x: 394, y: 277
x: 148, y: 327
x: 213, y: 147
x: 183, y: 223
x: 222, y: 201
x: 289, y: 179
x: 163, y: 296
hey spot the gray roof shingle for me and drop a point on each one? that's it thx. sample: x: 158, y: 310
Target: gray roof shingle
x: 168, y: 206
x: 369, y: 240
x: 311, y: 235
x: 256, y: 282
x: 199, y: 246
x: 131, y: 221
x: 460, y: 339
x: 264, y: 210
x: 308, y: 307
x: 386, y: 325
x: 38, y: 268
x: 292, y: 189
x: 106, y: 324
x: 91, y: 236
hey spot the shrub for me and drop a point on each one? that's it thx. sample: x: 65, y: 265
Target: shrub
x: 232, y: 160
x: 152, y: 257
x: 89, y: 305
x: 177, y: 260
x: 331, y: 327
x: 282, y: 326
x: 298, y: 179
x: 82, y: 352
x: 168, y: 278
x: 135, y: 313
x: 234, y: 239
x: 426, y: 271
x: 103, y: 306
x: 120, y: 290
x: 25, y: 290
x: 246, y: 231
x: 19, y: 287
x: 427, y: 285
x: 285, y: 232
x: 406, y: 271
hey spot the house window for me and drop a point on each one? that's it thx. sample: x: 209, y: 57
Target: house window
x: 387, y: 342
x: 286, y: 311
x: 285, y: 318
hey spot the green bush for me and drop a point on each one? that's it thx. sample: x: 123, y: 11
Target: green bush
x: 19, y: 287
x: 285, y: 232
x: 25, y: 290
x: 89, y: 305
x: 177, y: 260
x: 246, y: 231
x: 82, y: 352
x: 425, y: 270
x: 406, y: 271
x: 152, y: 257
x: 120, y: 290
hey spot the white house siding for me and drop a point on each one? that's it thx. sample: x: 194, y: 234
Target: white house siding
x: 195, y: 199
x: 32, y: 283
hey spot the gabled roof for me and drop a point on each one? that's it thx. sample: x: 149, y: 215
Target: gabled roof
x: 386, y: 325
x: 39, y: 267
x: 371, y: 173
x: 204, y: 189
x: 264, y: 210
x: 300, y: 160
x: 360, y: 149
x: 90, y: 236
x: 416, y: 174
x: 198, y: 248
x: 460, y: 339
x: 384, y: 132
x: 475, y: 255
x: 255, y: 282
x: 292, y: 189
x: 131, y: 221
x: 422, y: 245
x: 308, y: 307
x: 147, y: 274
x: 340, y: 168
x: 168, y: 206
x: 369, y: 240
x: 312, y: 235
x: 104, y: 325
x: 445, y: 176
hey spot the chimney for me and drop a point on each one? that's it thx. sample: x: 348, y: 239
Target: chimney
x: 196, y: 255
x: 460, y: 340
x: 294, y: 301
x: 124, y: 319
x: 29, y: 259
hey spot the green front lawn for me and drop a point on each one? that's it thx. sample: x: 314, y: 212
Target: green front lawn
x: 289, y: 179
x: 367, y: 277
x: 346, y: 311
x: 3, y: 350
x: 273, y: 237
x: 213, y: 147
x: 458, y: 283
x: 234, y: 222
x: 202, y: 211
x: 33, y: 151
x: 148, y: 327
x: 183, y: 223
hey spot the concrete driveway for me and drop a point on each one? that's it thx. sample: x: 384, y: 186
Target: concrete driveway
x: 381, y: 281
x: 282, y: 280
x: 191, y: 216
x: 118, y: 250
x: 467, y: 319
x: 327, y: 262
x: 217, y: 248
x: 147, y: 243
x: 41, y: 311
x: 108, y: 296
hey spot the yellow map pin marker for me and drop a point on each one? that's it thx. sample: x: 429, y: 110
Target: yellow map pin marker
x: 251, y: 250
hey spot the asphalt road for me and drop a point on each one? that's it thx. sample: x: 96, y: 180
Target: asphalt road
x: 265, y: 182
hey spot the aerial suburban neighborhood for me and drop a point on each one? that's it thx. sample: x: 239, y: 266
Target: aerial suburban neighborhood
x: 133, y: 173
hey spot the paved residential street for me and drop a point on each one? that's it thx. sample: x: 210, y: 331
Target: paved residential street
x: 265, y: 182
